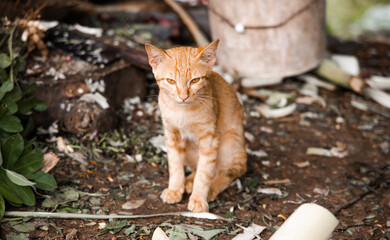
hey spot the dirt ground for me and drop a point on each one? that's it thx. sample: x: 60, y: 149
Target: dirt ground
x: 329, y: 181
x: 122, y: 172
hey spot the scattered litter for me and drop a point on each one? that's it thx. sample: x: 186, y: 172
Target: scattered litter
x: 249, y: 136
x: 50, y: 160
x: 323, y: 192
x: 359, y: 105
x: 138, y: 157
x: 95, y: 85
x: 279, y: 99
x: 95, y: 97
x: 277, y: 181
x: 270, y: 191
x: 333, y: 152
x: 176, y: 232
x: 266, y: 129
x: 378, y: 96
x: 78, y: 156
x: 379, y: 82
x: 385, y: 147
x: 159, y: 234
x: 102, y: 225
x: 310, y: 115
x: 159, y: 142
x: 347, y: 63
x: 309, y: 89
x: 259, y: 82
x: 133, y: 204
x: 88, y: 30
x: 308, y: 100
x: 62, y: 146
x: 316, y: 81
x: 266, y: 163
x: 267, y: 112
x: 259, y: 153
x: 302, y: 164
x: 250, y: 232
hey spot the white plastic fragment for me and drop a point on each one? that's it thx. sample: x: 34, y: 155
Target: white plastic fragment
x: 250, y: 232
x: 249, y: 136
x: 258, y: 82
x: 159, y: 234
x: 378, y: 96
x: 359, y: 105
x: 333, y: 152
x: 95, y: 97
x: 98, y: 32
x: 310, y: 221
x: 316, y: 81
x: 138, y: 157
x: 379, y: 82
x: 310, y: 100
x: 267, y: 112
x: 270, y: 191
x: 159, y: 142
x: 302, y: 164
x: 347, y: 63
x: 259, y: 153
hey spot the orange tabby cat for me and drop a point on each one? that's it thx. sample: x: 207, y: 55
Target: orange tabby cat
x: 203, y: 123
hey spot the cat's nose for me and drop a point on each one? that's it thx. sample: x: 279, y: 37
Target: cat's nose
x: 184, y: 97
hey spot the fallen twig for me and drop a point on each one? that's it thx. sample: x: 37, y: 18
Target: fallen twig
x: 350, y: 202
x: 210, y: 216
x: 198, y: 36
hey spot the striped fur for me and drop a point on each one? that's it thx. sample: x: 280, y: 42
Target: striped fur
x: 203, y: 122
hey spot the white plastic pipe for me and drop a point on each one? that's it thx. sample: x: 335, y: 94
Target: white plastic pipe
x: 309, y: 222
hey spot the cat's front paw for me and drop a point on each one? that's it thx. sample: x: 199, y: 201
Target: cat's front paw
x: 171, y: 196
x: 196, y: 205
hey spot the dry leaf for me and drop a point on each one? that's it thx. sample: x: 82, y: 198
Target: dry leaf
x: 50, y: 160
x: 133, y: 204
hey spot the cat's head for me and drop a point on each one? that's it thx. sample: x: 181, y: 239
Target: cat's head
x: 183, y: 72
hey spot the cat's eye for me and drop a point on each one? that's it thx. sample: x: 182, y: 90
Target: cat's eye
x: 171, y: 81
x: 195, y: 80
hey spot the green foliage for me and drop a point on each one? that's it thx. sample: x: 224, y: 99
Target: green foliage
x: 20, y: 159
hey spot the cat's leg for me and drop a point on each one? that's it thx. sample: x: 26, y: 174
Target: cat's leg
x: 231, y: 162
x: 192, y: 157
x: 189, y: 183
x: 176, y: 157
x: 205, y: 171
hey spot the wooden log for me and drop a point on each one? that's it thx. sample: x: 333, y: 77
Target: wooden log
x: 267, y: 38
x: 121, y: 79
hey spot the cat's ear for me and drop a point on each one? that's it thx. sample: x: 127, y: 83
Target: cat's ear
x: 207, y: 53
x: 155, y: 55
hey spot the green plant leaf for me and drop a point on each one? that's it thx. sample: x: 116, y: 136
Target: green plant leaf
x: 11, y: 149
x: 6, y: 87
x: 29, y: 89
x: 3, y: 75
x: 28, y: 163
x: 1, y: 157
x: 45, y: 181
x: 9, y: 194
x: 23, y: 192
x: 10, y: 100
x: 18, y: 179
x: 26, y: 105
x: 11, y: 124
x: 5, y: 60
x: 2, y: 207
x: 20, y: 64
